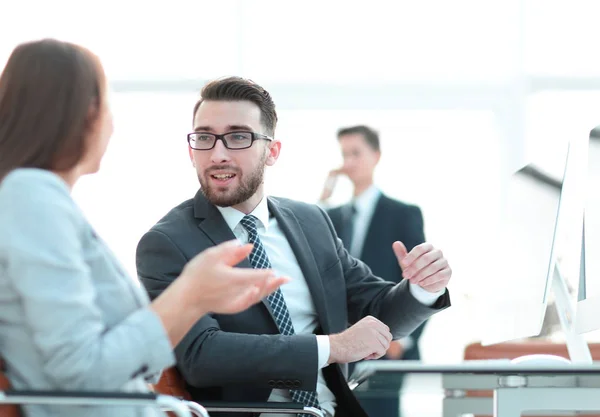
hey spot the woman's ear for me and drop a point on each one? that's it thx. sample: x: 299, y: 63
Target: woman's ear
x: 93, y: 117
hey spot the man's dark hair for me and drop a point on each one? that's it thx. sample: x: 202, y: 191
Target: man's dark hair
x: 371, y: 136
x: 49, y: 95
x: 241, y: 89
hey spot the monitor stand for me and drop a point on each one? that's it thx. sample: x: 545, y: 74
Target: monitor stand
x: 579, y: 351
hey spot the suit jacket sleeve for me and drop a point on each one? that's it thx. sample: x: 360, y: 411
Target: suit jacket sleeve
x: 415, y: 236
x: 369, y: 295
x: 208, y: 356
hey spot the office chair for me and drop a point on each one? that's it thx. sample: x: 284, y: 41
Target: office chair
x: 11, y: 400
x: 172, y: 383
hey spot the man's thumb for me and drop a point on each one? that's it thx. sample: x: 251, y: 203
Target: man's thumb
x: 400, y: 250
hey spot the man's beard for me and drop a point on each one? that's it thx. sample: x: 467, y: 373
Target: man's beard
x: 248, y: 186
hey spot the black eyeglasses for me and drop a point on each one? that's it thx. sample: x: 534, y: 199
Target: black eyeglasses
x: 202, y: 141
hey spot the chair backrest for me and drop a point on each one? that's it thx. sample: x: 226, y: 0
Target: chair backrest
x: 172, y: 383
x: 6, y: 410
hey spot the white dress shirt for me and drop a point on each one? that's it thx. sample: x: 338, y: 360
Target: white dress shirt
x: 365, y: 206
x: 296, y: 293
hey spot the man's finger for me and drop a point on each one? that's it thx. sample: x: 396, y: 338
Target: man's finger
x: 422, y: 262
x: 416, y: 252
x: 428, y: 271
x: 436, y: 279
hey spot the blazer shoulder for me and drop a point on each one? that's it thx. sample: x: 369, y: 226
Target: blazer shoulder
x: 300, y: 208
x: 398, y: 205
x: 334, y: 211
x: 178, y: 218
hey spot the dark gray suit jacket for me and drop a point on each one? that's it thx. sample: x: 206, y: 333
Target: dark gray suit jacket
x: 242, y: 357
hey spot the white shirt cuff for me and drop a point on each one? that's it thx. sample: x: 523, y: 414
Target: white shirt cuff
x: 423, y: 296
x: 406, y: 342
x: 323, y: 349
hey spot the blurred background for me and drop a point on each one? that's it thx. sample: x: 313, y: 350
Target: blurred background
x: 462, y: 93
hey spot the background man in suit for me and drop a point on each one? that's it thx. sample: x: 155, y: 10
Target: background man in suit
x: 296, y: 345
x: 368, y: 225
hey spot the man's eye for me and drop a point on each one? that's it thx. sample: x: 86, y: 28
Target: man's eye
x: 240, y: 136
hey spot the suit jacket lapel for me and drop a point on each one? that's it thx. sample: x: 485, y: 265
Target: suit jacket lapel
x: 213, y: 225
x: 216, y: 229
x: 297, y: 239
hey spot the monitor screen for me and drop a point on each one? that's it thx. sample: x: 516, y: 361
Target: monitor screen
x: 532, y: 199
x: 592, y: 221
x: 587, y: 317
x: 532, y: 204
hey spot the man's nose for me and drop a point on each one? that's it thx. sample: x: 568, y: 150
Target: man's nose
x: 219, y: 153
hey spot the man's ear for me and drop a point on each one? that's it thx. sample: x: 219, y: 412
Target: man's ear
x: 273, y: 149
x: 191, y: 153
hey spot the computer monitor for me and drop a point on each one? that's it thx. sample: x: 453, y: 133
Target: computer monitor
x: 542, y: 237
x: 587, y: 316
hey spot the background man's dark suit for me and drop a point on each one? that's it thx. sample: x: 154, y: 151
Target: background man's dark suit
x: 392, y: 220
x: 242, y: 357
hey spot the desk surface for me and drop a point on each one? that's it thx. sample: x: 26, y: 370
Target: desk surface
x: 393, y: 369
x: 492, y: 367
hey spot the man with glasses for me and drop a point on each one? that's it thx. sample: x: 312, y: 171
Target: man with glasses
x: 296, y: 345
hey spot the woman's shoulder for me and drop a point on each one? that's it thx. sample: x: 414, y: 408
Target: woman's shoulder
x: 28, y: 181
x: 35, y: 196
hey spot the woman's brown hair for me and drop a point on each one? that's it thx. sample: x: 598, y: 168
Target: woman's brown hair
x: 50, y: 94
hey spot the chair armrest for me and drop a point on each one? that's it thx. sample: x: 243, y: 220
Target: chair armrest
x: 261, y: 407
x: 100, y: 398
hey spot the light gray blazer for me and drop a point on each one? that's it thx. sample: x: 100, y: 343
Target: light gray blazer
x: 70, y: 317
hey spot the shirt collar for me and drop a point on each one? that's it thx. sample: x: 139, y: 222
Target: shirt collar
x: 233, y: 216
x: 366, y: 199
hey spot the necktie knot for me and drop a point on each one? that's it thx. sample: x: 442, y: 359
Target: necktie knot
x: 249, y: 223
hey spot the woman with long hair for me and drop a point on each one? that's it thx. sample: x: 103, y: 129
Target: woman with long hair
x: 70, y: 318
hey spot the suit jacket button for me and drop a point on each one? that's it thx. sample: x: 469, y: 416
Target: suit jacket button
x: 297, y: 384
x: 280, y: 384
x: 289, y: 384
x: 271, y: 383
